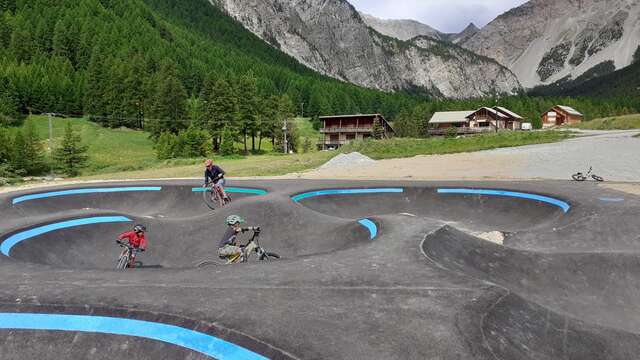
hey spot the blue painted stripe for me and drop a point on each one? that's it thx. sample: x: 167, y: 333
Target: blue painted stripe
x: 12, y: 240
x: 562, y: 204
x: 189, y: 339
x: 84, y: 191
x: 310, y: 194
x: 371, y: 226
x: 235, y: 190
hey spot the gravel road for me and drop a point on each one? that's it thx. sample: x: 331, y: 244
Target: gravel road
x: 615, y: 155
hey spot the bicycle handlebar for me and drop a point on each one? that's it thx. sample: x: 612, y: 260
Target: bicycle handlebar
x: 123, y: 244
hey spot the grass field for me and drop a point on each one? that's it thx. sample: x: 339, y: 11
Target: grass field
x: 129, y: 154
x: 625, y: 122
x: 404, y: 147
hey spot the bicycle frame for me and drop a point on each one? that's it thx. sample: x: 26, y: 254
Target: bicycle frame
x: 128, y: 251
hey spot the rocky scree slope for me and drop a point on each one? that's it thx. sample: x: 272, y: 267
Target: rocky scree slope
x: 544, y: 41
x: 331, y: 37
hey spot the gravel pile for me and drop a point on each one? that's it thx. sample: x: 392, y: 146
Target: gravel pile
x: 347, y: 160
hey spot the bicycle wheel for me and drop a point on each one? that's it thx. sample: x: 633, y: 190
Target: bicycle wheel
x: 209, y: 198
x: 122, y: 262
x: 579, y: 177
x: 268, y: 256
x: 210, y: 262
x: 597, y: 178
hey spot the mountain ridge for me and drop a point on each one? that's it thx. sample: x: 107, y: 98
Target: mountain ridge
x: 331, y: 37
x: 543, y: 41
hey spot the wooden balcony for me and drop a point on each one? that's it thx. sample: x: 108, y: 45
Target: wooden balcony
x: 336, y: 130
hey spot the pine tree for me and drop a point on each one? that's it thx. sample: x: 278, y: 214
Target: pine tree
x: 248, y: 108
x: 33, y: 151
x: 5, y: 32
x: 6, y: 150
x: 169, y: 106
x: 60, y: 40
x: 226, y: 148
x: 378, y: 130
x: 22, y: 44
x: 220, y: 109
x: 18, y: 160
x: 71, y: 155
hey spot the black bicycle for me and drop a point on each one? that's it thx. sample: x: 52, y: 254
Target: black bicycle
x: 128, y: 252
x: 212, y: 196
x: 582, y: 177
x: 261, y: 253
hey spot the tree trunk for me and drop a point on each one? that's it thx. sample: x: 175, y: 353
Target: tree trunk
x: 253, y: 141
x: 244, y: 135
x: 215, y: 144
x: 260, y: 141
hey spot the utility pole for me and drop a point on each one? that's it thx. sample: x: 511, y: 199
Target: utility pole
x: 50, y: 116
x: 284, y: 130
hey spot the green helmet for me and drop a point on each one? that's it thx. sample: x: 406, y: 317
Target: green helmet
x: 234, y: 219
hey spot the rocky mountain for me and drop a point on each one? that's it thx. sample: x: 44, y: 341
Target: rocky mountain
x: 546, y: 41
x: 463, y: 36
x: 331, y: 37
x: 401, y: 29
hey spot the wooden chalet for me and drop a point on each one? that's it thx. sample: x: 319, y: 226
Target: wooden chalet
x: 560, y: 115
x: 338, y: 130
x: 484, y: 119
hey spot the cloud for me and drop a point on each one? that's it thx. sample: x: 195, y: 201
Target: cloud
x: 444, y: 15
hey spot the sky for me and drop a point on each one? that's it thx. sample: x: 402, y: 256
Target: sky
x: 444, y: 15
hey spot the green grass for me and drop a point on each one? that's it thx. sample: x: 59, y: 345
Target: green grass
x: 110, y: 150
x: 625, y: 122
x: 404, y: 147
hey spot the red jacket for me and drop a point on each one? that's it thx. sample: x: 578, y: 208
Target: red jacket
x: 134, y: 239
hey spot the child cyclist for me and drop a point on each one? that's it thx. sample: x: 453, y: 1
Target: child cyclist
x: 228, y: 247
x: 136, y: 240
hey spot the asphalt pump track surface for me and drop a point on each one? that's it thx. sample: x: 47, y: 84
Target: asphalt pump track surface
x: 369, y: 270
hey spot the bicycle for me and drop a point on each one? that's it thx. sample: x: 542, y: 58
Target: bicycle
x: 213, y: 195
x: 579, y: 176
x: 128, y: 253
x: 262, y: 253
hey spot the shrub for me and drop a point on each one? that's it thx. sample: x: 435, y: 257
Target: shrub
x: 451, y: 132
x: 166, y: 146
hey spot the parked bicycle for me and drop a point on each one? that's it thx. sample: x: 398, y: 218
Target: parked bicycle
x: 579, y: 176
x: 261, y: 253
x: 212, y: 196
x: 127, y: 256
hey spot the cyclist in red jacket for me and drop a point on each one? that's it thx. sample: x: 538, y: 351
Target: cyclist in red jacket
x: 136, y: 240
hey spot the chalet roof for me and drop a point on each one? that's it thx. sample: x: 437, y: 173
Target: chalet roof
x: 569, y: 110
x: 508, y: 112
x: 493, y: 111
x: 445, y: 117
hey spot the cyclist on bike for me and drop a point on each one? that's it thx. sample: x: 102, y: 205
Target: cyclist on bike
x: 136, y: 240
x: 216, y: 174
x: 228, y: 247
